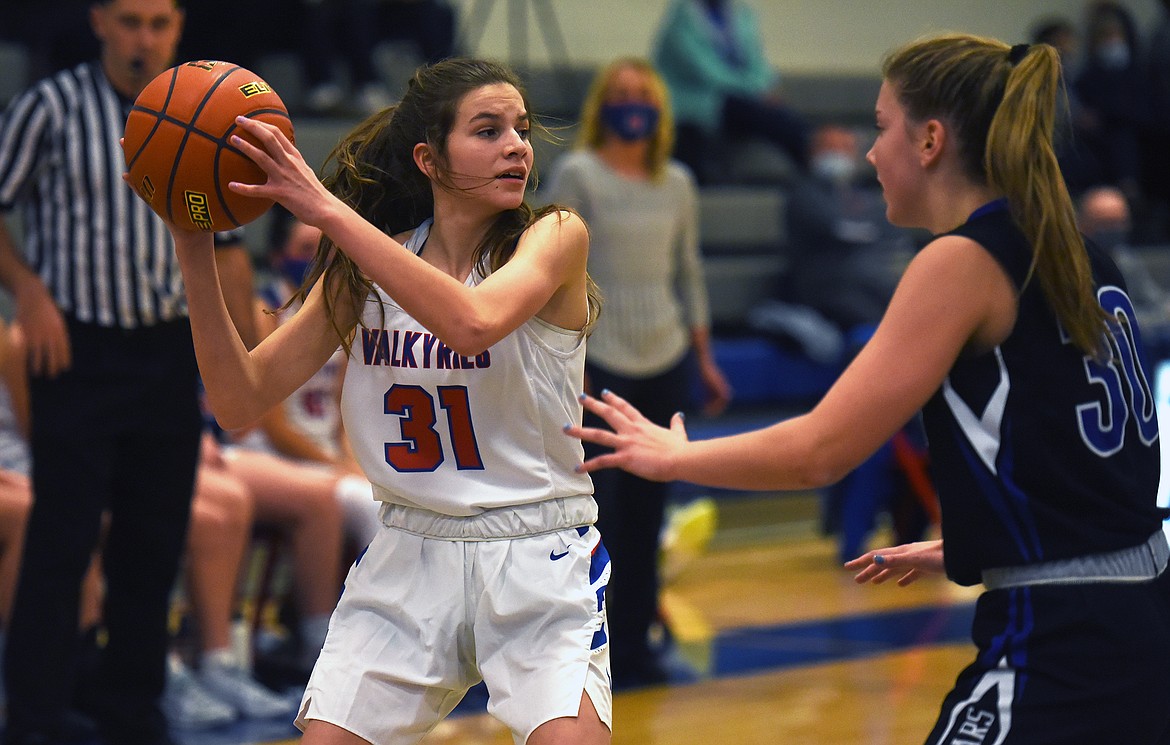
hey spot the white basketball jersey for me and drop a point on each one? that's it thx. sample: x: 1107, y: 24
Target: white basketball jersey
x: 458, y: 435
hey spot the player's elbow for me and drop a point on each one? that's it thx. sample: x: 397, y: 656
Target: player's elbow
x: 471, y: 337
x: 229, y: 422
x: 825, y: 474
x: 820, y: 466
x: 232, y: 415
x: 470, y: 346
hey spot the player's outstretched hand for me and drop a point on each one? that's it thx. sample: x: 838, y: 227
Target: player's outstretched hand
x: 910, y: 560
x: 639, y: 446
x: 291, y: 180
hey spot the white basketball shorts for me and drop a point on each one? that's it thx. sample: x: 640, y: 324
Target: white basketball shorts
x: 422, y: 619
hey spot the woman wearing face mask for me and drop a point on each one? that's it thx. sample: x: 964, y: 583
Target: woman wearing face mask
x: 642, y: 213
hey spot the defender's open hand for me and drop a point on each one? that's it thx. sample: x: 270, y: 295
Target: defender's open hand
x: 639, y: 446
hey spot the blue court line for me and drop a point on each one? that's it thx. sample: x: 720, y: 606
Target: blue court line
x: 744, y: 651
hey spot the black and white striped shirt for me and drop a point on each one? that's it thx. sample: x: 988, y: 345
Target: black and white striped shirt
x: 105, y: 257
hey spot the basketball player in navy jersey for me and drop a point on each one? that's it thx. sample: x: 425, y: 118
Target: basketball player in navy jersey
x: 465, y: 314
x: 1019, y: 344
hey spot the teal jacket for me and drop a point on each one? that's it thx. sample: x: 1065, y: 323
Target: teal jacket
x: 687, y: 52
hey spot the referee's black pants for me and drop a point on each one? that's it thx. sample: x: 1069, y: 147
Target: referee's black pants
x: 118, y: 433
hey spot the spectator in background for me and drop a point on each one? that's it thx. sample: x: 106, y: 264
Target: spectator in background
x: 221, y: 687
x: 1105, y: 218
x: 307, y: 427
x: 846, y: 256
x: 1060, y: 33
x: 300, y: 469
x: 846, y: 261
x: 1103, y: 215
x: 341, y: 33
x: 221, y: 520
x: 1156, y: 146
x: 300, y: 502
x: 710, y: 53
x: 429, y: 24
x: 1078, y: 162
x: 642, y: 212
x: 15, y: 491
x: 1113, y: 90
x: 113, y: 386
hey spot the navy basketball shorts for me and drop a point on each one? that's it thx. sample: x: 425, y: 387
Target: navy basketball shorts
x: 1077, y: 664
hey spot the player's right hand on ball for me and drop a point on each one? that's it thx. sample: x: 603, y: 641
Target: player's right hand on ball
x: 291, y: 181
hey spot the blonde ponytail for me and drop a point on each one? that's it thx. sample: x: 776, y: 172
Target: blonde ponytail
x: 1001, y: 101
x: 1021, y: 163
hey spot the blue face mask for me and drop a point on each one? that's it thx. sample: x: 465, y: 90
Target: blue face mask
x: 630, y: 121
x: 296, y: 270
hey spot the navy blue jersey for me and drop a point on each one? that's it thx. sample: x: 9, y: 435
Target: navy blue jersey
x: 1038, y: 451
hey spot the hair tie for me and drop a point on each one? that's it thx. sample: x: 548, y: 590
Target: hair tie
x: 1017, y: 52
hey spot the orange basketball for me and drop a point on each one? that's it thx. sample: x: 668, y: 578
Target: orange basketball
x: 176, y: 143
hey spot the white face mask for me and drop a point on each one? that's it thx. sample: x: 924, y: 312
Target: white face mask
x: 837, y: 168
x: 1114, y: 54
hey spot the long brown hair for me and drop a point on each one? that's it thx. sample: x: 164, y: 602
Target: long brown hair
x: 372, y: 170
x: 1001, y: 101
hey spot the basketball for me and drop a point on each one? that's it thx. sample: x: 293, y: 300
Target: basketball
x: 176, y: 143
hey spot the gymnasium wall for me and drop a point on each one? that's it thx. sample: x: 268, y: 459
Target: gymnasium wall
x: 840, y: 36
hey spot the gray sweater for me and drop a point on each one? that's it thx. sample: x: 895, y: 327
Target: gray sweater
x: 644, y: 254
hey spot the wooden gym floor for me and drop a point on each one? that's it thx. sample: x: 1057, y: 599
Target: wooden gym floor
x: 773, y: 643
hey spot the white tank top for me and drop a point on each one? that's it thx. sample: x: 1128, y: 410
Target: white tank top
x: 459, y: 435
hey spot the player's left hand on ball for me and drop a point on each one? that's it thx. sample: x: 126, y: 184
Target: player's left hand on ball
x: 639, y: 446
x: 181, y: 235
x: 291, y: 181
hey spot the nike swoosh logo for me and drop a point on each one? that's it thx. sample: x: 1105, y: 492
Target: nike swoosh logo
x: 553, y: 555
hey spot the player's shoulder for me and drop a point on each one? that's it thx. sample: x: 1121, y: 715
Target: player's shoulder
x: 559, y: 228
x: 950, y: 252
x: 558, y: 220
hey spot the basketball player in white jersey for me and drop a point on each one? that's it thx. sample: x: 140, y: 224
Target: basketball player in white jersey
x: 466, y: 333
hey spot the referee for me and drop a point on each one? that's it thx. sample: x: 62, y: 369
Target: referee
x: 114, y: 391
